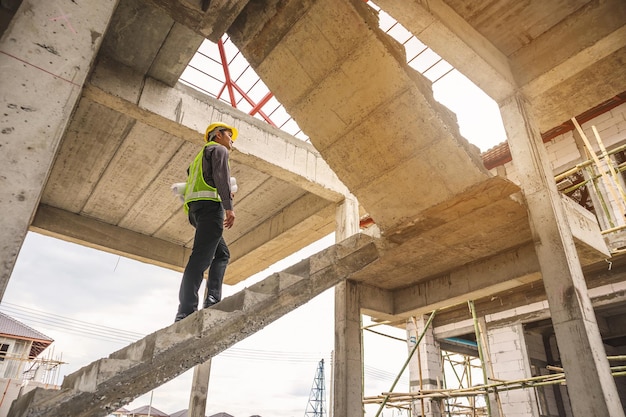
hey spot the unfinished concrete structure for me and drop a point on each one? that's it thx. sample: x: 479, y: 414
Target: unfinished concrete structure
x: 95, y: 129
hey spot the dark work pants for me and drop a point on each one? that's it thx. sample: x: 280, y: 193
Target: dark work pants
x: 209, y: 251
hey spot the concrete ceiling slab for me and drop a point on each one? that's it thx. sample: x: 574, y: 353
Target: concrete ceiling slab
x: 558, y: 53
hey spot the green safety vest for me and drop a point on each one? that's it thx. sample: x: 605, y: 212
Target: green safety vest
x: 197, y: 188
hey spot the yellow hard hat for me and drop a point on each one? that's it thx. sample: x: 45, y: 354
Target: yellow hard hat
x: 215, y: 125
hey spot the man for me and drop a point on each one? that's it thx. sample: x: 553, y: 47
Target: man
x: 209, y: 205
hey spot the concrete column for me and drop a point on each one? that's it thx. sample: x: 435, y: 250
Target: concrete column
x: 510, y: 361
x: 45, y: 56
x: 348, y: 359
x: 589, y: 381
x: 348, y: 385
x: 347, y: 218
x: 425, y: 369
x: 199, y: 390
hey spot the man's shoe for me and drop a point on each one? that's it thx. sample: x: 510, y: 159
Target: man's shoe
x: 180, y: 316
x: 210, y: 300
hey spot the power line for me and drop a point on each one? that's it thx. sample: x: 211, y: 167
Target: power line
x: 91, y: 330
x: 73, y: 326
x: 110, y: 334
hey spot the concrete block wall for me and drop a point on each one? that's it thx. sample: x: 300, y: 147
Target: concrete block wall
x: 562, y: 149
x: 563, y: 153
x: 510, y: 361
x: 431, y: 365
x: 611, y: 127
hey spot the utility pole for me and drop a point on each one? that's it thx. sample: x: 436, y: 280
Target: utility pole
x: 315, y: 407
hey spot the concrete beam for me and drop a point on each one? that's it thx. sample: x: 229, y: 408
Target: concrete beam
x: 439, y: 27
x: 48, y: 47
x: 92, y: 233
x: 250, y: 253
x: 572, y: 67
x: 270, y: 241
x: 586, y: 36
x: 175, y: 54
x: 210, y: 22
x: 135, y: 34
x: 590, y: 243
x: 184, y: 113
x: 616, y: 327
x: 583, y: 90
x: 377, y: 302
x: 147, y: 39
x: 604, y: 289
x: 479, y: 279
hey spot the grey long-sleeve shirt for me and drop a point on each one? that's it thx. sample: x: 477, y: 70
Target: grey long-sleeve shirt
x: 217, y: 172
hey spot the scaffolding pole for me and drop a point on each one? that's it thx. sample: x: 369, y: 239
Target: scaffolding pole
x: 417, y: 343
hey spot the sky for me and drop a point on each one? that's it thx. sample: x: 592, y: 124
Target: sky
x: 93, y: 303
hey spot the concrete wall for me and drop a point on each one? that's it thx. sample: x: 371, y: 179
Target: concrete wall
x: 564, y: 152
x: 10, y: 389
x: 510, y: 361
x: 562, y: 149
x: 429, y: 354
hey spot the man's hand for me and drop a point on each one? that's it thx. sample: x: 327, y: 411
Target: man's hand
x: 230, y: 219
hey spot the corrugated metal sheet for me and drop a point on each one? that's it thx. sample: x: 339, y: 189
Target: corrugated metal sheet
x: 11, y: 327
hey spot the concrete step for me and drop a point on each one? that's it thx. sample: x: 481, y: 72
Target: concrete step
x: 107, y: 384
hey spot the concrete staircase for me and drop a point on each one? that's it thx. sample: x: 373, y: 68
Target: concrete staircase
x: 110, y: 383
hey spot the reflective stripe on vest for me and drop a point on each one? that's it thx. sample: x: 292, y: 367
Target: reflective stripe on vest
x: 203, y: 194
x: 197, y: 188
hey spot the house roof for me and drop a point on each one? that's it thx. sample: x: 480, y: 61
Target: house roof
x: 10, y: 327
x: 500, y: 154
x: 143, y: 411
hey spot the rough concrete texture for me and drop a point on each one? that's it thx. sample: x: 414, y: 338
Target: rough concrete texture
x: 105, y: 385
x: 589, y: 379
x: 351, y: 91
x: 586, y: 232
x: 349, y: 88
x: 45, y: 55
x: 211, y: 22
